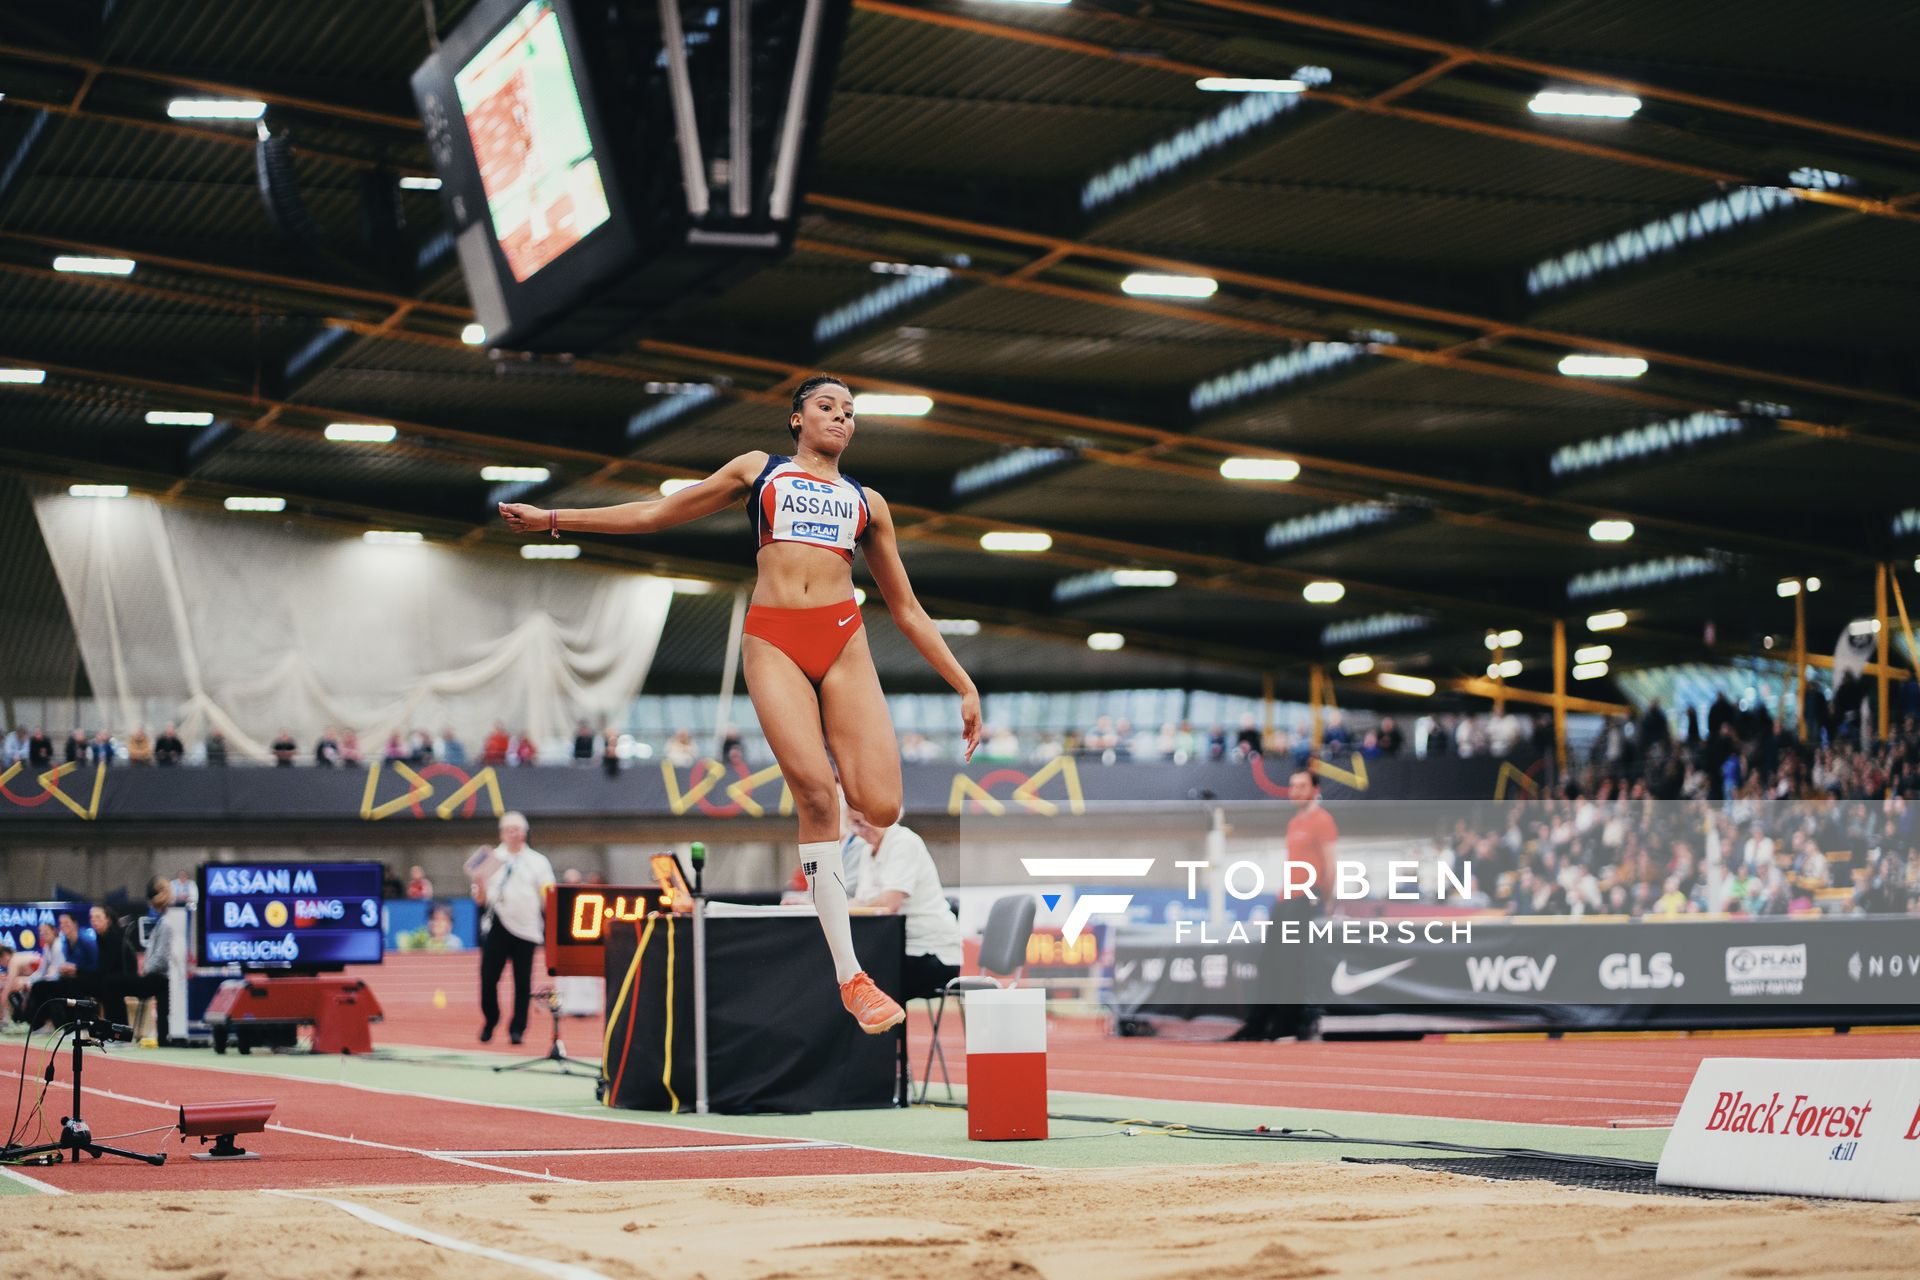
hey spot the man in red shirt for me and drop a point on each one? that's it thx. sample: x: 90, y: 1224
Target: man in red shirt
x: 1311, y: 834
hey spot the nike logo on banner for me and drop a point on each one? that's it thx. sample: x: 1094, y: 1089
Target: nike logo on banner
x: 1345, y: 984
x: 844, y: 621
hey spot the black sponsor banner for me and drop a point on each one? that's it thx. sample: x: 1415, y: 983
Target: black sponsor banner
x: 391, y: 791
x: 1792, y: 963
x: 778, y: 1039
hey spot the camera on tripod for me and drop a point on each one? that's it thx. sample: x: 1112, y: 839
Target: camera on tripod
x: 84, y: 1023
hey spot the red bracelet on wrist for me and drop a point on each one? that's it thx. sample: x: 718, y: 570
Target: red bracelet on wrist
x: 553, y: 523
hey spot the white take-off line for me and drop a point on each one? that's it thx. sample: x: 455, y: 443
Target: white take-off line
x: 45, y: 1188
x: 334, y: 1137
x: 440, y: 1240
x: 545, y: 1113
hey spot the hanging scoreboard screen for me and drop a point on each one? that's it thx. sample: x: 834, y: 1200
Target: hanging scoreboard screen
x: 520, y: 97
x: 291, y: 915
x: 604, y: 164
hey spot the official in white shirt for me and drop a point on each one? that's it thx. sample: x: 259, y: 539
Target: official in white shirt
x: 512, y: 898
x: 896, y: 875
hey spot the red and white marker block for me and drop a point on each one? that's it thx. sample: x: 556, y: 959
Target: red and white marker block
x: 1007, y: 1064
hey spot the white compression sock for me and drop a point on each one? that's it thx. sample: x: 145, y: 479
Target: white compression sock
x: 820, y: 859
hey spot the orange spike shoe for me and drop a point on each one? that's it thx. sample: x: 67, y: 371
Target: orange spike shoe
x: 872, y: 1008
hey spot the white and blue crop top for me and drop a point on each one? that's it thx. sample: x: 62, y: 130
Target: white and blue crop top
x: 786, y: 504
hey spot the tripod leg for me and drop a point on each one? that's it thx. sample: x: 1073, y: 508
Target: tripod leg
x: 96, y: 1150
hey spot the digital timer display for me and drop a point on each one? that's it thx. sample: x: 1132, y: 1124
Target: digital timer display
x: 579, y: 917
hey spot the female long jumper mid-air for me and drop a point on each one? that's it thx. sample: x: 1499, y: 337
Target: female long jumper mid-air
x: 808, y: 666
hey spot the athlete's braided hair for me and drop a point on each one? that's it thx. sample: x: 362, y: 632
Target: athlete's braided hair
x: 806, y: 389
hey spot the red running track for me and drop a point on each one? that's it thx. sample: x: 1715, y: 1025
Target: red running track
x: 338, y: 1135
x: 1576, y: 1081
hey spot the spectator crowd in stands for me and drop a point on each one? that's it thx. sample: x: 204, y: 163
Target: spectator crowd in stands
x: 1670, y: 751
x: 1741, y: 818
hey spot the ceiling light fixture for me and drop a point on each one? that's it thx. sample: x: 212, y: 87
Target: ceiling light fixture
x: 1247, y: 84
x: 76, y: 264
x: 1581, y: 366
x: 528, y: 475
x: 360, y: 432
x: 1323, y: 592
x: 1145, y: 284
x: 1281, y: 469
x: 1013, y: 540
x: 876, y: 404
x: 1610, y: 106
x: 215, y: 109
x: 1144, y: 577
x: 1610, y: 530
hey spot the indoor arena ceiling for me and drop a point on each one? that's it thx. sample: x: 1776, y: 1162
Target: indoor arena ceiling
x: 1404, y: 254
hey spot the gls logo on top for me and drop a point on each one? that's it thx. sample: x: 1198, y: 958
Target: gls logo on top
x: 1767, y: 970
x: 811, y: 486
x: 1629, y: 971
x: 1510, y: 973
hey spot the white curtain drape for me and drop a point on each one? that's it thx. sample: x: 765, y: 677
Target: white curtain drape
x: 253, y: 627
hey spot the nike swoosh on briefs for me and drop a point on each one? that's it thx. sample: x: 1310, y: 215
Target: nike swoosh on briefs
x: 1345, y: 984
x: 844, y: 621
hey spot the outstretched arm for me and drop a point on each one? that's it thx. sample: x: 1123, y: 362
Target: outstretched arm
x: 883, y: 561
x: 718, y: 491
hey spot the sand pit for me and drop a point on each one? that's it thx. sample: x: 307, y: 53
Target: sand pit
x: 1259, y: 1222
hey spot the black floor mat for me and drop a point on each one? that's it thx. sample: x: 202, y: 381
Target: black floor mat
x: 1593, y: 1177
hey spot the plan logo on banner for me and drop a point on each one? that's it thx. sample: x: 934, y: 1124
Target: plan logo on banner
x: 1767, y: 970
x: 1519, y: 974
x: 1799, y: 1127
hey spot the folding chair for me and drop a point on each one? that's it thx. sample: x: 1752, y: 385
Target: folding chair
x: 1003, y: 952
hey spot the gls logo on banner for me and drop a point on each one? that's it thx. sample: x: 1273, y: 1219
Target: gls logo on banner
x: 1628, y: 971
x: 1088, y: 905
x: 1510, y: 973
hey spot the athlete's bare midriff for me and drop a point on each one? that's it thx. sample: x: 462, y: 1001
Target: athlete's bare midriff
x: 796, y: 576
